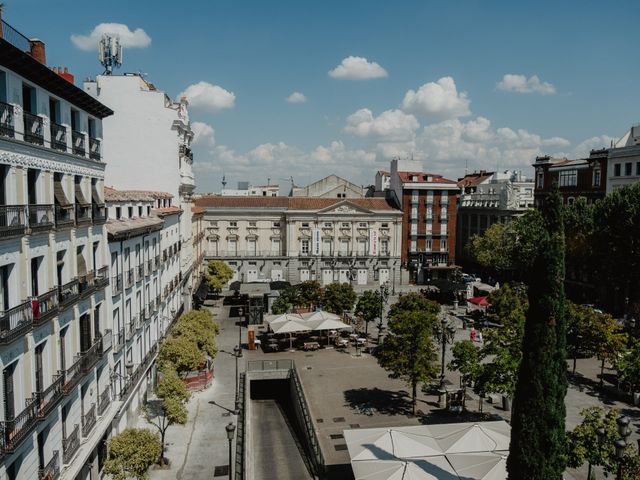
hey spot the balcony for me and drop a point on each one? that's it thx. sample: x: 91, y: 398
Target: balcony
x: 89, y: 420
x: 64, y: 216
x: 119, y: 341
x: 130, y: 328
x: 70, y: 445
x: 99, y: 213
x: 148, y: 267
x: 102, y: 277
x: 15, y: 322
x: 45, y: 306
x: 49, y: 398
x: 16, y: 430
x: 51, y: 471
x: 78, y: 143
x: 41, y: 217
x: 128, y: 278
x: 139, y: 319
x: 72, y: 375
x: 103, y: 401
x: 86, y: 284
x: 58, y: 137
x: 33, y: 131
x: 12, y: 220
x: 106, y: 343
x: 116, y: 285
x: 139, y: 272
x: 83, y: 214
x: 94, y: 148
x: 7, y: 128
x: 90, y: 357
x: 156, y: 263
x: 68, y: 293
x: 152, y: 306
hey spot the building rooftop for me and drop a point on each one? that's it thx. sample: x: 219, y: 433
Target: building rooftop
x: 127, y: 227
x: 291, y: 203
x: 113, y: 195
x: 166, y: 210
x: 473, y: 179
x: 423, y: 177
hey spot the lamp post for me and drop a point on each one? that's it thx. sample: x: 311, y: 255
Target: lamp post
x: 384, y: 295
x: 237, y: 351
x: 621, y: 444
x: 230, y: 428
x: 600, y: 433
x: 240, y: 312
x: 446, y: 335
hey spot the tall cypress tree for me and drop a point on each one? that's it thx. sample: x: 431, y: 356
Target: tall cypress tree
x: 538, y: 447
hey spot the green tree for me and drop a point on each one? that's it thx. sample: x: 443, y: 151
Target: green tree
x: 408, y: 351
x: 538, y: 444
x: 169, y: 407
x: 308, y: 293
x: 629, y: 365
x: 218, y: 274
x: 466, y: 360
x: 131, y: 453
x: 198, y: 326
x: 414, y: 302
x: 368, y: 307
x: 180, y: 353
x: 338, y: 297
x: 281, y: 305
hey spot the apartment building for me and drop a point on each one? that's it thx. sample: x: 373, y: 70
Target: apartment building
x: 429, y: 205
x: 297, y: 239
x: 623, y: 167
x: 331, y: 186
x: 55, y: 331
x: 487, y: 198
x: 148, y: 142
x: 198, y: 286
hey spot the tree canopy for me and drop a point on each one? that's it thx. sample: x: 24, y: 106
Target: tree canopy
x: 338, y: 297
x: 369, y: 306
x: 218, y: 274
x: 131, y: 453
x: 199, y: 327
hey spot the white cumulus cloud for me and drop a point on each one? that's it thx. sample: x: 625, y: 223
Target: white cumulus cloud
x: 137, y: 38
x: 203, y: 134
x: 207, y: 97
x: 296, y: 97
x: 391, y: 125
x: 357, y: 68
x: 521, y: 84
x: 439, y: 99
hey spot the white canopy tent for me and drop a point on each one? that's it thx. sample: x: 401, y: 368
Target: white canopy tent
x: 288, y: 323
x: 470, y: 451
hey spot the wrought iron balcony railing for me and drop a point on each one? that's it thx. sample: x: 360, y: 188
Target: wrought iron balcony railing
x: 7, y: 128
x: 94, y: 148
x: 102, y: 277
x: 50, y: 396
x: 103, y: 401
x: 119, y: 341
x: 33, y: 132
x: 116, y: 284
x: 41, y: 217
x: 106, y: 342
x: 64, y: 216
x: 13, y: 220
x: 51, y: 470
x: 14, y: 431
x: 83, y: 214
x: 129, y: 278
x: 68, y: 293
x: 45, y: 306
x: 89, y: 420
x: 70, y: 445
x: 72, y: 375
x: 78, y: 143
x: 139, y: 272
x: 86, y: 283
x: 58, y: 137
x: 130, y: 328
x: 99, y: 213
x: 15, y: 321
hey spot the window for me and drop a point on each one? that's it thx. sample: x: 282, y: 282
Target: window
x: 130, y: 211
x: 232, y: 245
x: 328, y: 225
x: 275, y: 245
x: 570, y: 200
x: 276, y: 225
x: 596, y: 177
x: 384, y: 225
x: 251, y: 246
x: 139, y: 211
x: 326, y: 247
x: 213, y: 223
x: 344, y: 247
x: 627, y: 169
x: 616, y: 170
x: 305, y: 246
x: 568, y: 178
x: 233, y: 224
x: 540, y: 180
x: 363, y: 225
x: 384, y: 247
x: 414, y: 246
x: 638, y: 168
x: 252, y: 224
x: 362, y: 247
x: 304, y: 224
x: 443, y: 245
x: 346, y: 225
x: 148, y: 210
x: 427, y: 245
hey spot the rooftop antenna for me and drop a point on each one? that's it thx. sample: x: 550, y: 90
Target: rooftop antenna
x: 224, y: 181
x: 466, y: 167
x: 110, y: 53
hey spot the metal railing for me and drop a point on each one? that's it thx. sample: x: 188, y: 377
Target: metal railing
x: 130, y: 328
x: 83, y: 213
x: 89, y: 420
x: 86, y: 283
x: 14, y: 37
x: 58, y: 137
x: 148, y: 267
x: 129, y: 278
x: 102, y: 277
x: 41, y: 217
x: 68, y: 293
x: 156, y: 262
x: 94, y: 148
x: 139, y: 272
x: 45, y: 306
x: 33, y: 132
x: 15, y: 321
x: 119, y: 340
x: 317, y: 459
x: 103, y: 401
x: 70, y: 445
x: 7, y: 128
x: 72, y: 375
x: 269, y: 365
x: 106, y: 342
x: 135, y: 376
x: 13, y: 220
x: 90, y: 357
x: 78, y: 143
x: 15, y: 430
x: 116, y: 284
x: 50, y: 396
x: 51, y: 470
x: 65, y: 215
x: 99, y: 213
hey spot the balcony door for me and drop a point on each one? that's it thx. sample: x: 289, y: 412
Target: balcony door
x: 39, y: 373
x: 63, y: 348
x: 35, y: 268
x: 32, y: 186
x: 9, y: 394
x: 85, y: 332
x: 4, y: 288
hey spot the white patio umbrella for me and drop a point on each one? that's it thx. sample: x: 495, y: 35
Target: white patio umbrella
x: 472, y: 437
x: 480, y: 466
x: 428, y: 468
x: 290, y: 326
x: 320, y: 315
x: 326, y: 324
x: 393, y: 444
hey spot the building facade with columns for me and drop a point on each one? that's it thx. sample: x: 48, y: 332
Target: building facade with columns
x: 296, y: 239
x: 55, y: 327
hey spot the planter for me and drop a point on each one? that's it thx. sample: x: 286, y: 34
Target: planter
x: 506, y: 403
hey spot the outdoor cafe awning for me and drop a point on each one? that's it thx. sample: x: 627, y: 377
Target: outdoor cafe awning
x: 480, y: 301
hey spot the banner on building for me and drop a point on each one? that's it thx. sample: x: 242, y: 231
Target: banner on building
x: 373, y: 243
x: 316, y: 240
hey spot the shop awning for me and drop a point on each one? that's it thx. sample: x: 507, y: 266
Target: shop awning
x: 480, y: 301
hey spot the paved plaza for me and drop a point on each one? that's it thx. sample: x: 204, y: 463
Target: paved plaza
x: 344, y: 390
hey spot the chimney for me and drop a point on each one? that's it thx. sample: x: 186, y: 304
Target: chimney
x: 37, y: 50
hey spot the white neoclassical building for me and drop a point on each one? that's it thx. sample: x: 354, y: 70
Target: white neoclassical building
x: 357, y: 240
x: 55, y: 327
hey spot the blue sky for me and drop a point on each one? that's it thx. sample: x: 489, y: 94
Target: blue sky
x: 438, y: 91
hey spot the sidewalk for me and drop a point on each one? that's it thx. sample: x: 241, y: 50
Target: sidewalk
x: 195, y: 449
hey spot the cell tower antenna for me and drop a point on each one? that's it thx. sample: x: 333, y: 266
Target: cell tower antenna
x: 110, y: 53
x: 224, y: 181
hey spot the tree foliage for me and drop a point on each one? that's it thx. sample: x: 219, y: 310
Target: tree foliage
x: 218, y: 274
x: 281, y: 305
x: 131, y: 453
x: 199, y: 327
x: 338, y: 297
x: 408, y: 351
x: 413, y: 302
x: 466, y: 360
x: 180, y: 353
x: 305, y: 294
x: 629, y: 365
x: 369, y: 306
x: 538, y: 444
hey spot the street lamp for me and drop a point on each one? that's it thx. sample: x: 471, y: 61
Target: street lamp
x: 230, y: 428
x: 621, y: 444
x: 237, y: 351
x: 240, y: 312
x: 384, y: 295
x: 446, y: 334
x: 600, y: 433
